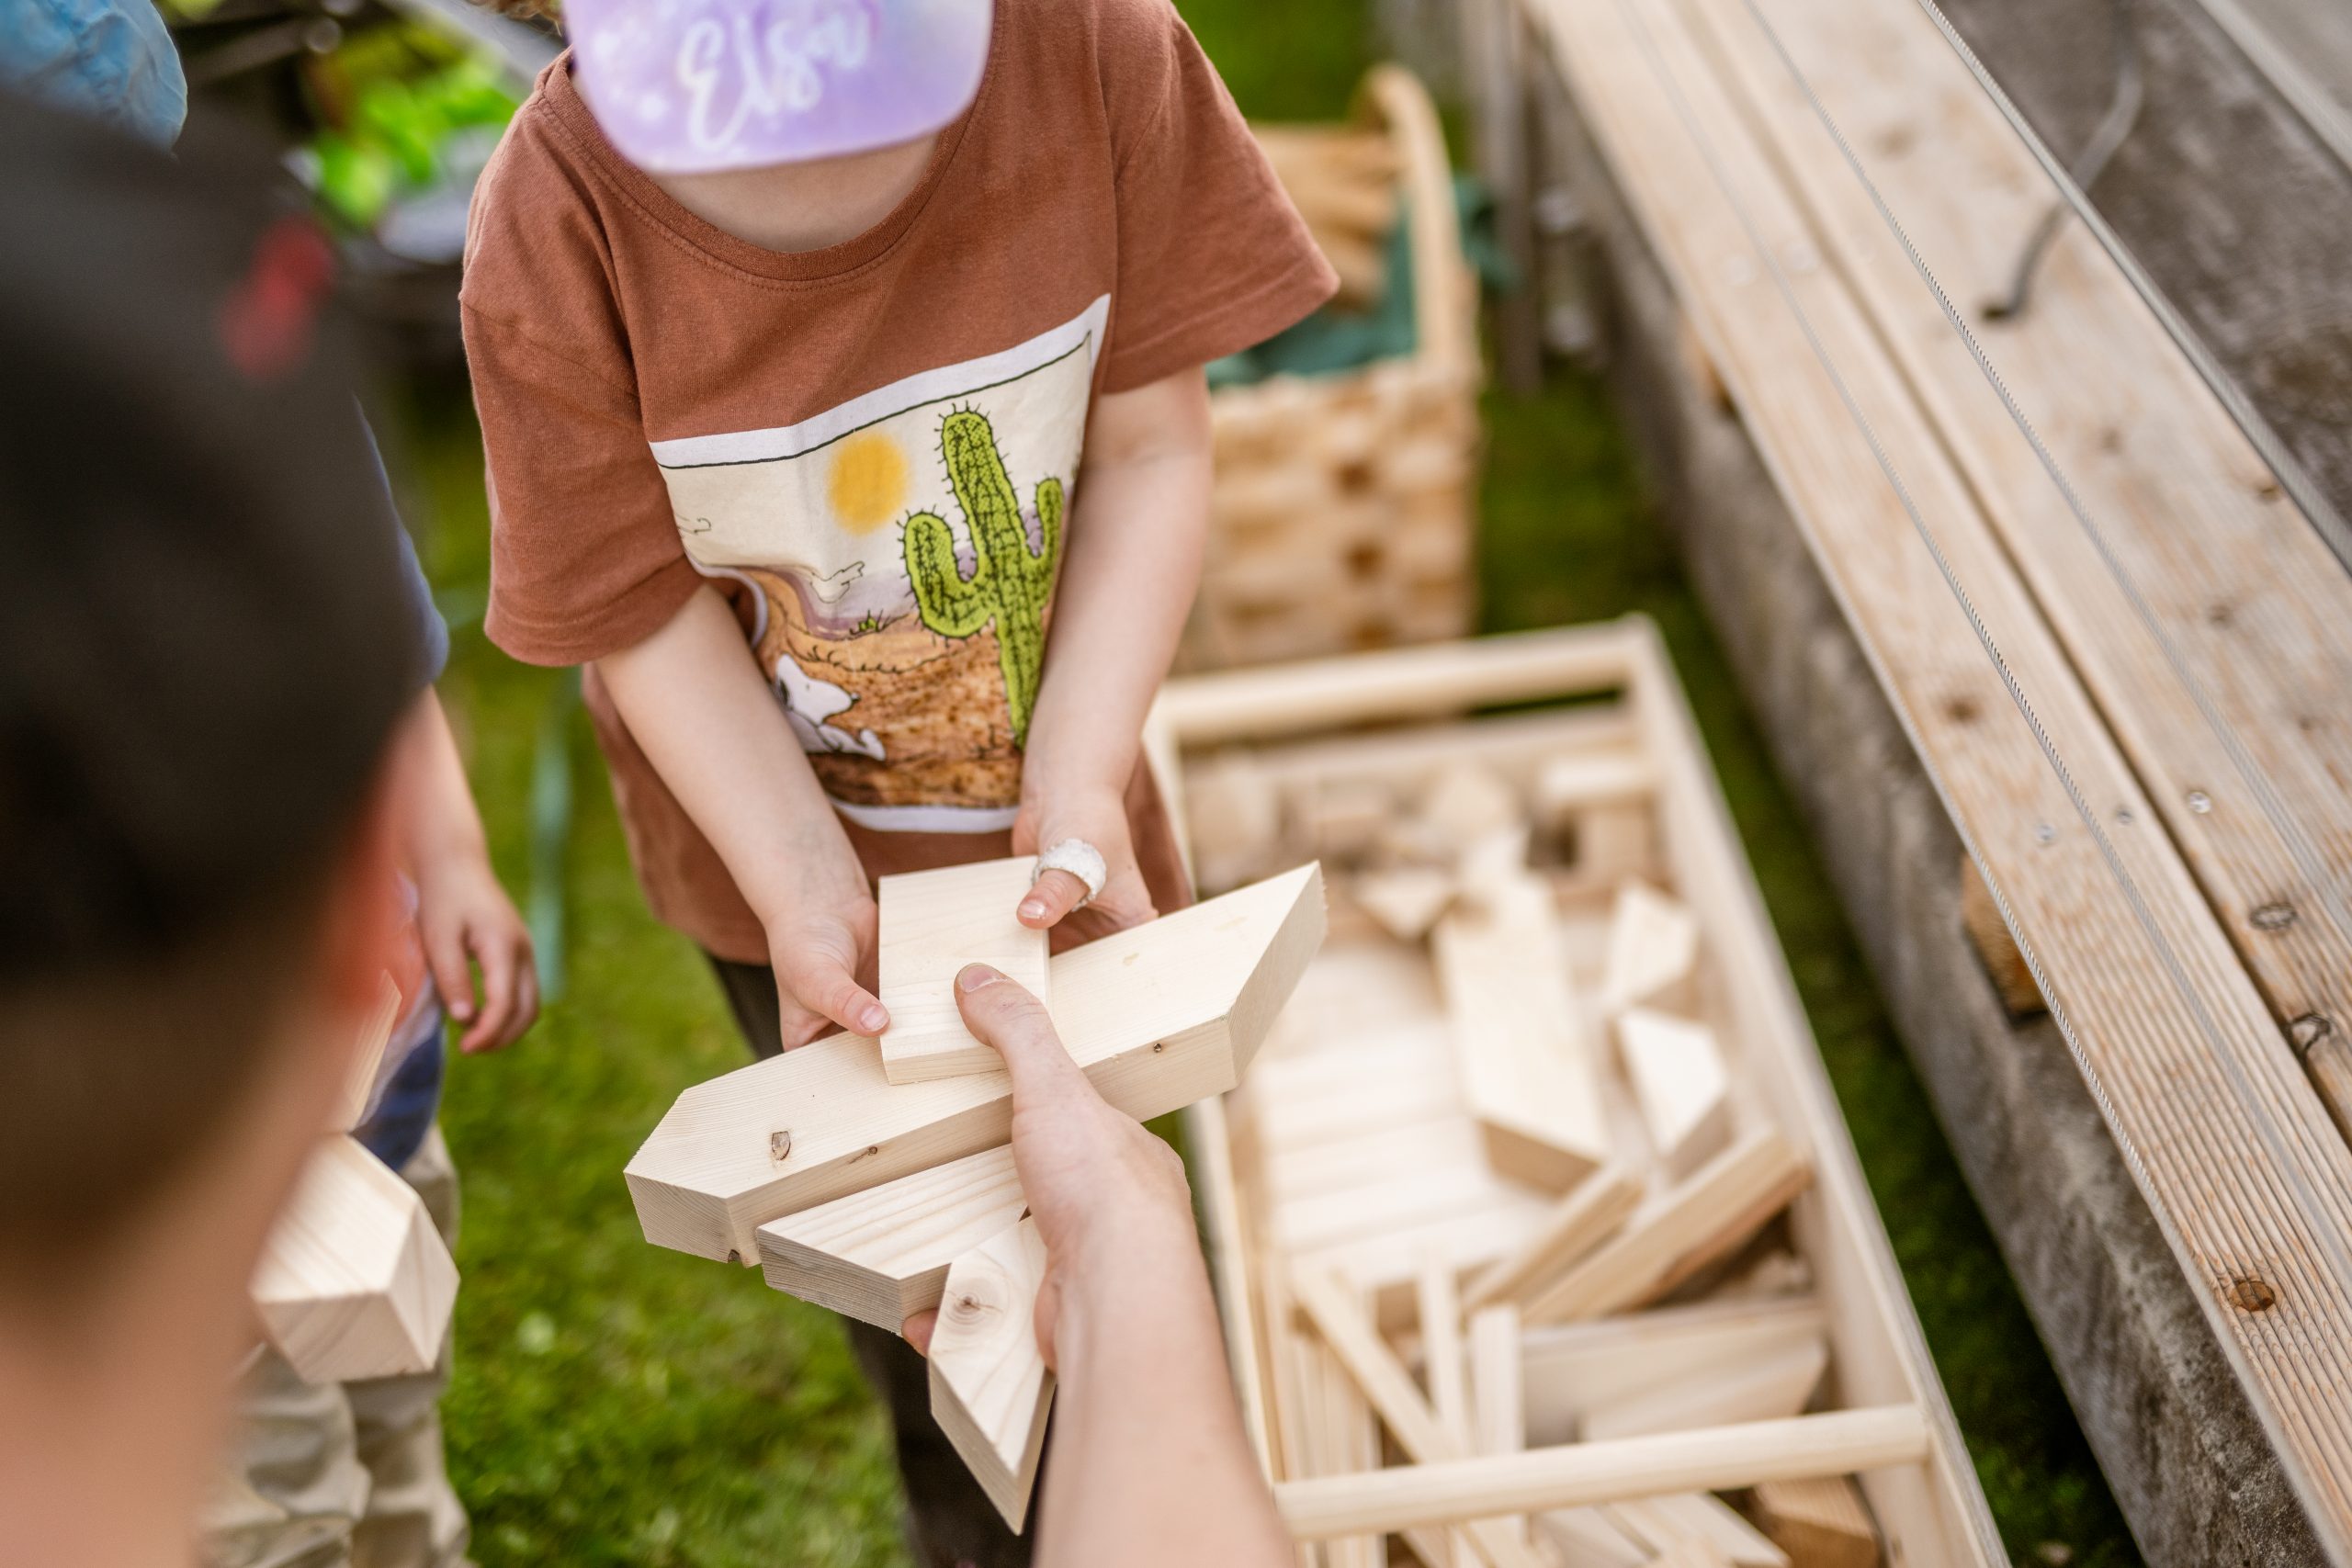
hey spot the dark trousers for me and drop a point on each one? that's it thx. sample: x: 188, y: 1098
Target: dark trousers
x: 950, y: 1521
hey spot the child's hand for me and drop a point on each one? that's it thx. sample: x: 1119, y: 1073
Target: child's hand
x: 464, y: 918
x: 1101, y: 819
x: 822, y: 948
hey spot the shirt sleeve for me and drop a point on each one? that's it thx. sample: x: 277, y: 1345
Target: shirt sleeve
x: 1213, y: 257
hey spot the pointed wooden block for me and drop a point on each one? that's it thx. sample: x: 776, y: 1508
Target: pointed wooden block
x: 1820, y: 1524
x: 933, y: 923
x: 1160, y: 1016
x: 1681, y: 1084
x: 1579, y: 1368
x: 1580, y: 1222
x: 881, y: 1255
x: 1405, y: 901
x: 1526, y: 1076
x: 1653, y: 951
x: 355, y: 1282
x: 375, y: 1038
x: 990, y: 1388
x: 1699, y: 1524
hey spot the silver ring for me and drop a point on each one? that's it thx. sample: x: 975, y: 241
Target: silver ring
x: 1082, y: 861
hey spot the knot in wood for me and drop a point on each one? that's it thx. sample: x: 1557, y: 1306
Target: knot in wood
x: 780, y: 1144
x: 975, y: 1304
x: 2273, y: 917
x: 2310, y: 1029
x: 2249, y: 1293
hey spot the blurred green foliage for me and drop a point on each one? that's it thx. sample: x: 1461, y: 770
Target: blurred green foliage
x: 395, y: 101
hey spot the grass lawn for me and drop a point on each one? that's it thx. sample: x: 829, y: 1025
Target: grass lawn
x: 615, y: 1404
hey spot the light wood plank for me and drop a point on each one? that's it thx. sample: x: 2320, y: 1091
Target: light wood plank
x: 1499, y: 1421
x: 1702, y: 1519
x: 1160, y: 1016
x: 1677, y: 1232
x: 1526, y: 1073
x: 1575, y: 1475
x: 1407, y: 1416
x: 1681, y: 1085
x: 1821, y: 1523
x: 1653, y: 951
x: 1592, y: 1209
x: 2231, y: 1147
x: 375, y: 1038
x: 1574, y: 1368
x: 881, y: 1255
x: 933, y: 923
x: 2220, y: 585
x: 355, y: 1282
x: 1773, y: 1385
x: 990, y: 1388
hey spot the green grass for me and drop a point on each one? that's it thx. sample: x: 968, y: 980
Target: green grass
x: 615, y: 1404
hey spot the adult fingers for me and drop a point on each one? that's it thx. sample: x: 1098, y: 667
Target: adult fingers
x: 917, y: 1330
x: 1002, y: 1014
x: 1050, y: 899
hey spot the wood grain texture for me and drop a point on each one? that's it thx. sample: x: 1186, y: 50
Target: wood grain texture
x: 1765, y: 1388
x: 1578, y: 1223
x: 933, y: 923
x: 1821, y: 1523
x: 1573, y: 1369
x: 2215, y: 614
x: 1160, y: 1016
x: 990, y: 1388
x: 1653, y: 951
x: 1678, y: 1231
x: 1681, y: 1085
x: 375, y: 1037
x: 2229, y: 1143
x: 1700, y: 1520
x: 1574, y: 1475
x: 1384, y: 1382
x: 355, y: 1282
x: 881, y: 1255
x: 1527, y: 1074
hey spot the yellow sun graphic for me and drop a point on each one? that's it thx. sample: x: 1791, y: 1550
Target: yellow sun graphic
x: 868, y: 482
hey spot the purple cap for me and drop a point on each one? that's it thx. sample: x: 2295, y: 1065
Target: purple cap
x: 690, y: 87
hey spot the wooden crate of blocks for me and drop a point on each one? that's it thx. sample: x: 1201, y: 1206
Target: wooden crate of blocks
x: 1343, y: 511
x: 1538, y: 1236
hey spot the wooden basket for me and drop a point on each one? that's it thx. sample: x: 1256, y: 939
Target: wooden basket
x: 1343, y: 511
x: 1655, y: 1362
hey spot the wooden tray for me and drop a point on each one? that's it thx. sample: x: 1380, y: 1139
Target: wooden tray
x: 1393, y: 1218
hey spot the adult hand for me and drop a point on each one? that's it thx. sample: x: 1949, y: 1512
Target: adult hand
x: 1110, y: 1200
x: 1099, y: 817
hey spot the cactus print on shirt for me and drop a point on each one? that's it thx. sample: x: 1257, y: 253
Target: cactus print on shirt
x: 901, y: 550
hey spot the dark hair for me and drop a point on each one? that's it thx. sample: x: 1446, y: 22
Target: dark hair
x: 204, y: 648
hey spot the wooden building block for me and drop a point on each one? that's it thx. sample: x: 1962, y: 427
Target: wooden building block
x: 1405, y: 899
x: 1768, y: 1388
x: 1158, y: 1016
x: 933, y: 923
x: 1653, y: 951
x: 1468, y: 802
x: 1575, y: 782
x: 990, y: 1388
x: 1593, y: 1208
x: 1526, y: 1074
x: 881, y: 1255
x: 1589, y: 1538
x: 1576, y: 1368
x: 1497, y: 1419
x: 2004, y: 961
x: 1681, y: 1084
x: 355, y: 1282
x: 1697, y: 1524
x: 1821, y: 1523
x: 1389, y: 1389
x: 1443, y: 1365
x: 375, y: 1038
x: 1678, y: 1232
x: 1235, y: 816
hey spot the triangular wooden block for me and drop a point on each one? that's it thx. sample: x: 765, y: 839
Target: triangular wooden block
x: 881, y: 1255
x: 1681, y: 1085
x: 990, y: 1388
x: 1653, y: 951
x: 1158, y: 1017
x: 355, y: 1282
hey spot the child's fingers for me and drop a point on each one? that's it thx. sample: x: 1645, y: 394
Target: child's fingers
x: 497, y: 998
x: 1055, y: 894
x: 825, y: 986
x: 444, y: 960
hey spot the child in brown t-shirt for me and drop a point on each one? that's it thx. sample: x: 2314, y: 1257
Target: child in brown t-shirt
x: 789, y: 321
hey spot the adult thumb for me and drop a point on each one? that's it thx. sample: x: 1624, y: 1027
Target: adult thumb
x: 1003, y: 1015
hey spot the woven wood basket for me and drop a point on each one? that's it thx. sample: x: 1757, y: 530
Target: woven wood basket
x: 1343, y: 511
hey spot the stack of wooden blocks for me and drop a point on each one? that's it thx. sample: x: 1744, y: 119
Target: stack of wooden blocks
x: 1341, y: 513
x: 1529, y: 1166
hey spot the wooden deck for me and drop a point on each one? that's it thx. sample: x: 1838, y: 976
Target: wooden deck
x: 2149, y: 774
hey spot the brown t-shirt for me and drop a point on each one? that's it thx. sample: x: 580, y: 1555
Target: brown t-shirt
x: 873, y: 447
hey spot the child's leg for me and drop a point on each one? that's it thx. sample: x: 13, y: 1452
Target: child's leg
x: 412, y: 1517
x: 296, y: 1488
x: 950, y: 1520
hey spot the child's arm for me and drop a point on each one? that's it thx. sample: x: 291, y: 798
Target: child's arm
x: 463, y: 916
x: 693, y: 697
x: 1132, y: 564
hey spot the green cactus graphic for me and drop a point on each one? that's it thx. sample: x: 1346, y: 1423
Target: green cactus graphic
x: 1010, y: 584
